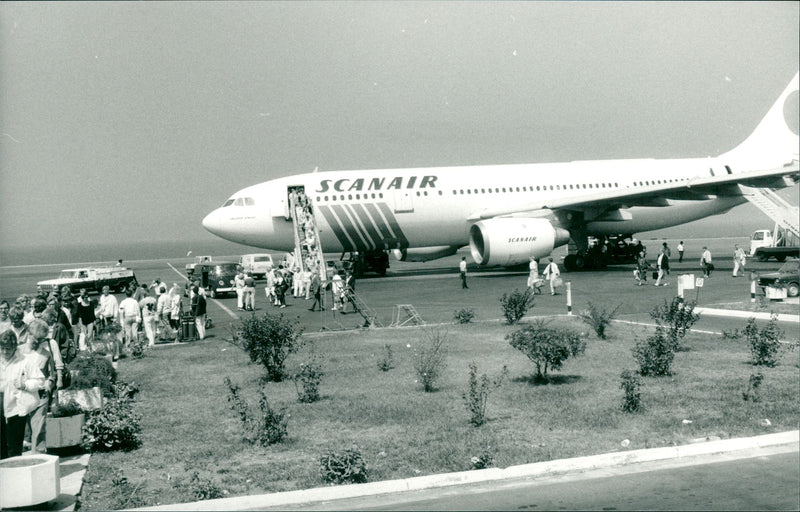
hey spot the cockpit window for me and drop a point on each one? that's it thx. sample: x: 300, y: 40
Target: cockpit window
x: 228, y: 203
x: 248, y: 201
x: 239, y: 202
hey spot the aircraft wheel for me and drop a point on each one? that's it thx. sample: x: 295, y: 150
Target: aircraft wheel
x: 580, y: 262
x: 569, y: 262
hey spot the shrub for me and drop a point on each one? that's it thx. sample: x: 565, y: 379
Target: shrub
x: 731, y: 334
x: 765, y: 343
x: 476, y: 397
x: 268, y: 339
x: 309, y: 375
x: 753, y: 391
x: 138, y: 347
x: 516, y: 304
x: 547, y: 347
x: 655, y: 353
x: 343, y: 467
x: 386, y: 362
x: 204, y: 488
x: 264, y: 429
x: 464, y: 316
x: 113, y: 427
x: 630, y: 383
x: 678, y: 316
x: 71, y: 408
x: 89, y: 370
x: 125, y: 391
x: 484, y: 460
x: 599, y: 318
x: 430, y: 357
x: 106, y: 338
x: 124, y: 494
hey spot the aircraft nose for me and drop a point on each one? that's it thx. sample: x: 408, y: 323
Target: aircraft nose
x: 213, y: 222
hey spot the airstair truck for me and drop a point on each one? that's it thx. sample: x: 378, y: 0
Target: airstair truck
x: 779, y: 244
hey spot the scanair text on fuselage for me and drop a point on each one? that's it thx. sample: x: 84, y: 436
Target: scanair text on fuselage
x: 358, y: 184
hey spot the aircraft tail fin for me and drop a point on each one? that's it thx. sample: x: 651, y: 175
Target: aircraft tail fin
x: 774, y: 143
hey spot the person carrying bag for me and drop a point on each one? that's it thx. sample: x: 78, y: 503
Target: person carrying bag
x: 553, y: 275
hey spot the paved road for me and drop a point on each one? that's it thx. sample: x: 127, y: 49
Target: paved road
x: 759, y: 479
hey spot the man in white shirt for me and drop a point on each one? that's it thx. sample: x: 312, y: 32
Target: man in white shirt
x: 739, y: 259
x: 130, y: 316
x: 109, y: 307
x: 462, y: 269
x: 705, y: 262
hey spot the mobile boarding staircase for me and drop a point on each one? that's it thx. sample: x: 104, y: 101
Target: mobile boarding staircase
x: 786, y: 216
x: 302, y: 253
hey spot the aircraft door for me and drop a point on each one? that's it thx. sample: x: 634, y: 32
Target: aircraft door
x: 403, y: 202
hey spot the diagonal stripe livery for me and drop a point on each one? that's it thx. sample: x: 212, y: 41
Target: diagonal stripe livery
x: 364, y: 227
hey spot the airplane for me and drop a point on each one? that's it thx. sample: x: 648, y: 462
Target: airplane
x: 507, y: 213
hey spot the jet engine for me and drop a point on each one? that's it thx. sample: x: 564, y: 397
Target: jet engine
x: 424, y: 253
x: 509, y: 241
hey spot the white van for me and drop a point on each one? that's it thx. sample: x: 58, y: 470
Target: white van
x: 256, y: 265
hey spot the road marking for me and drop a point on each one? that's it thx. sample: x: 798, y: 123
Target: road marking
x: 218, y: 303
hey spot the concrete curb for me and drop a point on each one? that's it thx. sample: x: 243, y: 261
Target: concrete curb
x: 533, y: 470
x: 759, y: 315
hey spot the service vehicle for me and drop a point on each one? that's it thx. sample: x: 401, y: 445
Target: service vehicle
x: 91, y: 278
x: 198, y: 260
x: 217, y: 277
x: 788, y: 276
x: 256, y: 265
x: 764, y: 245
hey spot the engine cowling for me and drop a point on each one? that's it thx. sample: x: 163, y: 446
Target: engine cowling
x: 424, y: 253
x: 511, y: 241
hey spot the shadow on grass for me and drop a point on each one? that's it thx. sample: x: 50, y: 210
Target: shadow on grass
x: 555, y: 380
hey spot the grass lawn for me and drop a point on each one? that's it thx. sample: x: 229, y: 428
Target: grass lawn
x: 401, y: 431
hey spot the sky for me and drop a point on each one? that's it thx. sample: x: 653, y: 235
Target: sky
x: 125, y: 122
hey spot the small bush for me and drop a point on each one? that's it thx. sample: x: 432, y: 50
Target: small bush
x: 204, y: 488
x: 125, y: 390
x: 90, y: 370
x: 113, y: 427
x: 343, y: 467
x: 268, y: 340
x: 476, y: 398
x: 678, y: 317
x: 124, y: 493
x: 386, y: 362
x: 516, y: 304
x: 71, y: 408
x: 630, y: 383
x: 655, y: 353
x: 599, y: 318
x: 484, y: 460
x: 308, y: 376
x: 266, y: 428
x: 430, y: 357
x: 765, y: 343
x: 138, y: 347
x: 731, y: 334
x: 753, y: 391
x: 464, y: 316
x: 547, y: 347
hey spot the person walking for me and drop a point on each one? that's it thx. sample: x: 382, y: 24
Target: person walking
x: 705, y: 262
x: 44, y: 352
x: 534, y: 283
x: 239, y: 284
x: 551, y: 273
x: 20, y: 383
x: 148, y: 305
x: 336, y: 290
x: 109, y: 307
x: 316, y: 290
x: 249, y: 292
x: 84, y: 311
x: 739, y: 259
x: 462, y: 268
x: 199, y: 311
x: 680, y: 251
x: 663, y: 266
x: 130, y: 316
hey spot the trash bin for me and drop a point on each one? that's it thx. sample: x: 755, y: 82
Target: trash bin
x: 188, y: 329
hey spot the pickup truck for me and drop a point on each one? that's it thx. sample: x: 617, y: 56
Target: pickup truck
x: 91, y: 278
x: 198, y: 260
x: 764, y: 245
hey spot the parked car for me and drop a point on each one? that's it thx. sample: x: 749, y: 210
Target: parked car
x: 788, y: 276
x: 92, y: 278
x: 217, y: 278
x: 256, y: 265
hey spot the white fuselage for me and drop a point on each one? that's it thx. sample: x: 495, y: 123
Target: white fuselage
x: 427, y: 207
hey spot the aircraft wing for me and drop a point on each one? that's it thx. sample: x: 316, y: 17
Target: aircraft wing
x: 603, y: 203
